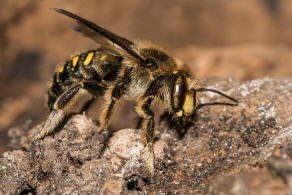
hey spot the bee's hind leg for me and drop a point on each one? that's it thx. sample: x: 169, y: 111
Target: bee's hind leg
x: 71, y: 101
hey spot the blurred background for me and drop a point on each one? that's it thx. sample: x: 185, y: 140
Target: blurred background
x: 244, y: 39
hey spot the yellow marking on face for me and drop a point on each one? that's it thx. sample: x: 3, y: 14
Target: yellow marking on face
x: 179, y: 113
x: 51, y: 84
x: 175, y: 72
x: 75, y: 60
x: 88, y: 59
x: 61, y: 69
x: 188, y: 106
x: 72, y: 69
x: 103, y: 57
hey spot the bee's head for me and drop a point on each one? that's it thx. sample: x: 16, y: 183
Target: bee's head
x: 184, y: 97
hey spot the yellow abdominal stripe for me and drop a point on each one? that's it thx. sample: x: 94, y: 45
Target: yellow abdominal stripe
x: 88, y: 59
x: 61, y: 69
x: 75, y: 60
x: 51, y: 84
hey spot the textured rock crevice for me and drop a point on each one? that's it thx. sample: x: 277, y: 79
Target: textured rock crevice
x: 243, y: 149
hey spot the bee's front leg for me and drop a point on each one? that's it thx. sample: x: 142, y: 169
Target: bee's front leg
x: 71, y: 101
x: 147, y: 126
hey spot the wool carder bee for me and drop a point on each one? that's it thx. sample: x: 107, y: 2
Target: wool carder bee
x: 138, y: 71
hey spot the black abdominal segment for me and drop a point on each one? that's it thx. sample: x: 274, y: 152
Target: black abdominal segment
x: 95, y: 69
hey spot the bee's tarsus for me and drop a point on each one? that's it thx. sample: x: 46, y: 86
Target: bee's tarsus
x: 147, y: 156
x: 55, y: 118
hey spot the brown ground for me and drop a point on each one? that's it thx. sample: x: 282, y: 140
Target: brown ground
x: 229, y: 150
x: 246, y: 40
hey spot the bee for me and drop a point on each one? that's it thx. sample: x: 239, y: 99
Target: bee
x: 119, y: 68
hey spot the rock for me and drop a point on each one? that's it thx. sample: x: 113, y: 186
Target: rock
x: 229, y: 150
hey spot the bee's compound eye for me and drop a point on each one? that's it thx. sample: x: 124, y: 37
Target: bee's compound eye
x: 151, y: 64
x: 178, y: 93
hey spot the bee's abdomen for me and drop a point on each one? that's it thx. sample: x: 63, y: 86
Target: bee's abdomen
x: 95, y: 66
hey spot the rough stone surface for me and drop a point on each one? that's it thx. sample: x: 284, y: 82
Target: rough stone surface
x: 229, y: 150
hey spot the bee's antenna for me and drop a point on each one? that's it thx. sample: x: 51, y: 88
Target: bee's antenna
x: 216, y: 103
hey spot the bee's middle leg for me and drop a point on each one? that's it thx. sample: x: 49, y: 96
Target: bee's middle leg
x: 71, y: 101
x: 113, y: 95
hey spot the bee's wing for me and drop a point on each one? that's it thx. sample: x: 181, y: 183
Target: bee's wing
x: 101, y: 35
